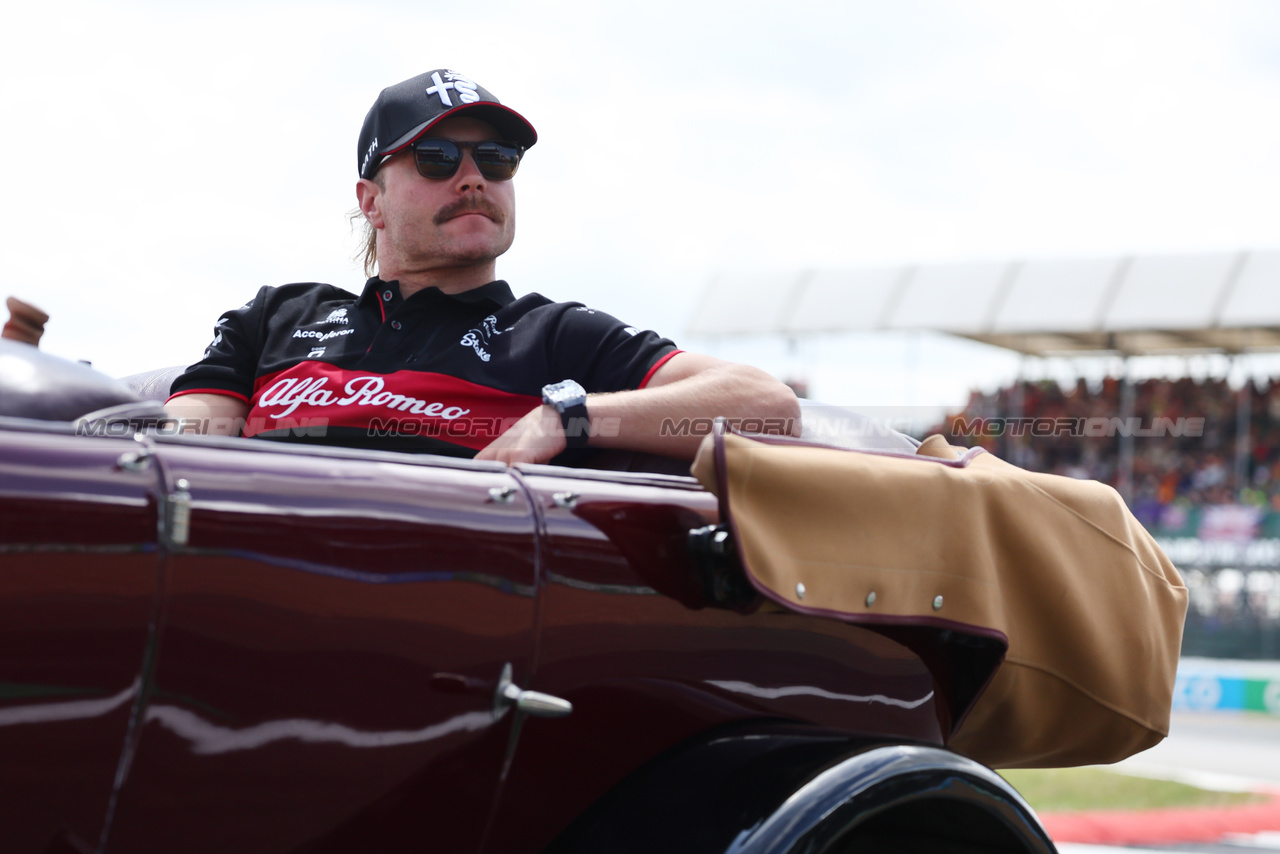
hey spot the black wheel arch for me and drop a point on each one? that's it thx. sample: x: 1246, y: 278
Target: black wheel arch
x: 784, y: 788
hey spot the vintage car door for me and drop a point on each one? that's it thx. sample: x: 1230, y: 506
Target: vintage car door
x: 334, y: 627
x: 630, y: 634
x: 78, y: 580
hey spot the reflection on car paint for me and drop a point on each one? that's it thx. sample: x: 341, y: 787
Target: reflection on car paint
x: 500, y: 583
x: 70, y: 710
x: 442, y: 517
x: 811, y: 691
x: 77, y: 548
x: 579, y: 584
x: 208, y: 738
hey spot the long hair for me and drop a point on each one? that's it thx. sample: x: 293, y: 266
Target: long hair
x: 367, y: 252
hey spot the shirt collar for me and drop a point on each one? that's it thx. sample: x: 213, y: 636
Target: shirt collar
x: 497, y: 292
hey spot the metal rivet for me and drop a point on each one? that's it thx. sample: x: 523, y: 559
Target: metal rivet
x: 799, y: 590
x: 134, y: 460
x: 395, y: 324
x: 502, y: 494
x: 937, y: 603
x: 871, y: 598
x: 565, y: 499
x: 386, y: 295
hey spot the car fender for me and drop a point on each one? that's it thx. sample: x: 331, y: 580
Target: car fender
x: 780, y: 787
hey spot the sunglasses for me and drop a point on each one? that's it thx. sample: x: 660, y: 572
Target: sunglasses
x: 440, y: 158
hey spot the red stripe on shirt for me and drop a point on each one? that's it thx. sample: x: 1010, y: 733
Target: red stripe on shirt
x: 237, y: 395
x: 644, y: 382
x: 317, y: 394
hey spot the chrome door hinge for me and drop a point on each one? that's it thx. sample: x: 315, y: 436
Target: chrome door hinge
x: 566, y: 500
x: 175, y: 516
x: 136, y: 461
x: 502, y: 494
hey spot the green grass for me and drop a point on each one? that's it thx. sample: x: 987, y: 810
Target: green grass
x: 1069, y: 789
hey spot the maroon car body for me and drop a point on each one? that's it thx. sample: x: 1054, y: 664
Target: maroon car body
x: 234, y: 645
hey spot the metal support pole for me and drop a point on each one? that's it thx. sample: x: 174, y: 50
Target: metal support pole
x: 1244, y: 414
x: 1124, y: 473
x: 1012, y: 450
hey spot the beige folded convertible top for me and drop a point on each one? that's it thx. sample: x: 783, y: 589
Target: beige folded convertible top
x: 1091, y: 608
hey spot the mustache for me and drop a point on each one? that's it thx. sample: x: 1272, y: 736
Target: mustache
x: 469, y: 204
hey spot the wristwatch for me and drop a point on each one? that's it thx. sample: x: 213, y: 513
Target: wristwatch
x: 570, y: 400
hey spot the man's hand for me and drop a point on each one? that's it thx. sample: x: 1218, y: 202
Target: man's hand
x: 535, y: 438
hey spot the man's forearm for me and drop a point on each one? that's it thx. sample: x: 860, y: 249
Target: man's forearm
x: 215, y: 414
x: 671, y: 418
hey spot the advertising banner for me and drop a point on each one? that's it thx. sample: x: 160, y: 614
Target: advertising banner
x: 1205, y: 685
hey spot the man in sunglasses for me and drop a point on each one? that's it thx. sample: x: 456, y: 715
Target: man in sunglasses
x: 438, y: 355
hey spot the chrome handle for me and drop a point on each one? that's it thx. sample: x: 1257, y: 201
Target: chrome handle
x: 532, y: 703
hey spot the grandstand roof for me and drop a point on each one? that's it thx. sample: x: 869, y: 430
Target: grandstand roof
x: 1136, y: 305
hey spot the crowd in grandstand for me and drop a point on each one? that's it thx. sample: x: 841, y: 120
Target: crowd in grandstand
x: 1186, y: 481
x: 1183, y: 445
x: 1186, y: 478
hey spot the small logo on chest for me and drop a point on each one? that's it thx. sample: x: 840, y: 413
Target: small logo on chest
x: 479, y: 338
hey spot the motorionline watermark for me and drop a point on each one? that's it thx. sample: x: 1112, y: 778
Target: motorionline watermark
x: 492, y: 427
x: 222, y: 426
x: 482, y: 427
x: 748, y: 424
x: 486, y: 427
x: 1092, y: 427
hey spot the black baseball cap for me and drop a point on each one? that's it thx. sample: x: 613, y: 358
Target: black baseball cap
x: 407, y: 110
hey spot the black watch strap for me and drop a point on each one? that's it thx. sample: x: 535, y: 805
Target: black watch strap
x: 569, y: 399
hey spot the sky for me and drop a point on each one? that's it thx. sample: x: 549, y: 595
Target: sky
x: 163, y: 161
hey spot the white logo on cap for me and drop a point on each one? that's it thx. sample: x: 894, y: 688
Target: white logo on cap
x: 462, y: 87
x: 373, y: 146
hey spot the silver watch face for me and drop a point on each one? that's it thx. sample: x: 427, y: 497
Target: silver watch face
x: 564, y: 394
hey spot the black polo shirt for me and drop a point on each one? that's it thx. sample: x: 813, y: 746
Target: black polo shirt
x: 435, y: 372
